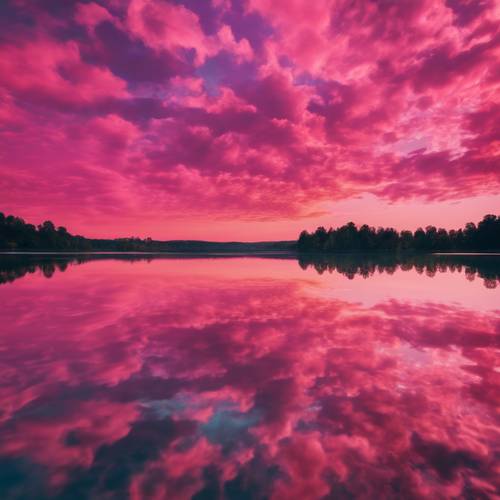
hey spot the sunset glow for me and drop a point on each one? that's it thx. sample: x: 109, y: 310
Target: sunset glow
x: 248, y: 119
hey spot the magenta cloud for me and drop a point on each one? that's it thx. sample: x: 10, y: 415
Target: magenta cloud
x: 252, y: 109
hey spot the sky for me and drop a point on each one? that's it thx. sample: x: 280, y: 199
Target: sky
x: 248, y: 119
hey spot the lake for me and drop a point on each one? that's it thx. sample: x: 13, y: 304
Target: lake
x: 249, y: 377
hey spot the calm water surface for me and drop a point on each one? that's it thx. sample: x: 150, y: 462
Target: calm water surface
x: 249, y: 378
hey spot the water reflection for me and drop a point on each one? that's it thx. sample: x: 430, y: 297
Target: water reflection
x: 240, y: 379
x: 486, y: 267
x: 14, y: 266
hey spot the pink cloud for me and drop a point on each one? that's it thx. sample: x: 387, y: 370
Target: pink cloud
x: 320, y: 103
x: 168, y: 26
x: 91, y: 14
x: 241, y: 49
x: 174, y: 27
x: 46, y: 71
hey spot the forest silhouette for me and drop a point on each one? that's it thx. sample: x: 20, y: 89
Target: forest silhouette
x: 483, y: 237
x: 18, y: 235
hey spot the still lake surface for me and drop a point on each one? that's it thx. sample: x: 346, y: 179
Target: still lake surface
x: 249, y: 378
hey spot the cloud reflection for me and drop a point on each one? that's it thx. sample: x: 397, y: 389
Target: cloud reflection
x: 241, y: 387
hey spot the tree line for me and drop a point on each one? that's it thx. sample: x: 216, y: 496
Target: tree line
x: 485, y: 236
x: 16, y: 234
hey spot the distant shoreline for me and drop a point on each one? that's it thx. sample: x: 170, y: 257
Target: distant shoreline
x: 159, y: 254
x: 239, y: 253
x: 18, y: 236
